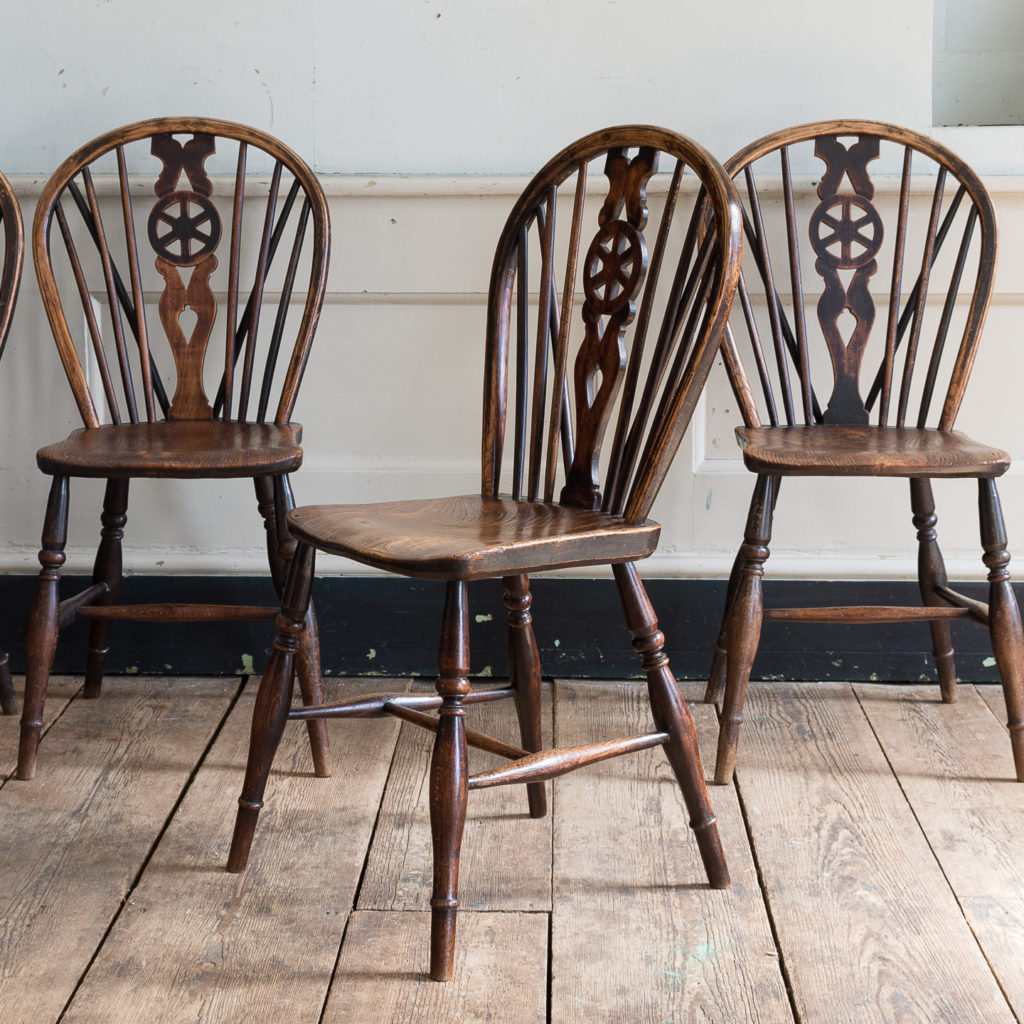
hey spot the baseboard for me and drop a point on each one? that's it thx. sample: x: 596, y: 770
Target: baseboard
x: 389, y: 627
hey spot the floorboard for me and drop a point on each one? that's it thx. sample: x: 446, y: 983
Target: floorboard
x: 260, y: 945
x: 73, y: 840
x: 874, y: 838
x: 637, y: 934
x: 956, y: 769
x: 868, y: 927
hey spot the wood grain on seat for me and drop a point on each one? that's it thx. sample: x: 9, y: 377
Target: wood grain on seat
x: 868, y: 451
x: 189, y: 449
x: 472, y: 536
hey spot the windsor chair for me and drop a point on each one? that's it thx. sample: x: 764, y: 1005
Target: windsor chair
x: 841, y: 399
x: 631, y: 357
x: 10, y: 279
x: 142, y: 384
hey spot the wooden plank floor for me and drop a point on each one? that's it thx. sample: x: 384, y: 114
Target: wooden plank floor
x: 875, y: 838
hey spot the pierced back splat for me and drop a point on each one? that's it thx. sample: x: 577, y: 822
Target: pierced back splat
x: 639, y: 345
x: 941, y: 230
x: 184, y: 230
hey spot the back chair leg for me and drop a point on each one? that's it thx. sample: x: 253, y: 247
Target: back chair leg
x: 449, y: 778
x: 107, y: 569
x: 524, y: 673
x: 8, y: 702
x: 744, y: 627
x: 273, y: 701
x: 43, y: 626
x: 1004, y: 620
x: 716, y: 674
x: 931, y: 573
x: 275, y: 499
x: 671, y: 715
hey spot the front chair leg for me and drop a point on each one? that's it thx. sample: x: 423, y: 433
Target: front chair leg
x: 273, y: 701
x: 524, y: 674
x: 1004, y: 621
x: 671, y: 715
x: 275, y: 499
x: 43, y: 625
x: 449, y: 779
x: 931, y: 574
x: 107, y: 569
x: 744, y: 628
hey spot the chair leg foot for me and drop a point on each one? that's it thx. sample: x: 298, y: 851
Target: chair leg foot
x: 743, y: 629
x: 43, y: 626
x: 1004, y: 621
x: 449, y: 777
x: 273, y: 701
x: 311, y: 686
x: 671, y: 715
x: 524, y: 672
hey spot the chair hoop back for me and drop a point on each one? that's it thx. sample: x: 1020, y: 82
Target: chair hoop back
x: 898, y: 262
x: 655, y: 256
x: 144, y: 215
x: 14, y: 245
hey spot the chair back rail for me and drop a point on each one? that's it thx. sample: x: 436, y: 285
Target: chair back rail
x: 887, y: 354
x: 121, y: 254
x: 627, y: 361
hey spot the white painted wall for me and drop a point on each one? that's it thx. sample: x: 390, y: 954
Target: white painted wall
x: 423, y: 118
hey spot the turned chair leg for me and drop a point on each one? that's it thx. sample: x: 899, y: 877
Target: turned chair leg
x: 449, y: 779
x: 671, y: 715
x: 931, y: 573
x: 107, y: 570
x: 275, y: 499
x: 43, y: 625
x: 524, y: 674
x: 273, y: 701
x: 1004, y: 620
x: 716, y: 674
x: 8, y: 702
x: 744, y: 626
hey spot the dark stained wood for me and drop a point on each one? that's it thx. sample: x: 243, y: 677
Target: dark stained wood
x: 491, y: 535
x: 471, y: 536
x: 525, y: 673
x: 131, y: 427
x: 893, y: 404
x: 868, y: 451
x: 10, y: 280
x: 550, y: 764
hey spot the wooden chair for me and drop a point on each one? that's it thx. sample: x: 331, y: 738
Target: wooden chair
x: 10, y: 279
x: 634, y: 354
x: 139, y: 213
x: 871, y: 390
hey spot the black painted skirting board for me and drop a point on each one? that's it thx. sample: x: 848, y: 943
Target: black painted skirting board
x: 389, y: 627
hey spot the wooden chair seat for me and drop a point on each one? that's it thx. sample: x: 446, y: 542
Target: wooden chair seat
x: 867, y: 451
x: 472, y: 536
x: 190, y: 449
